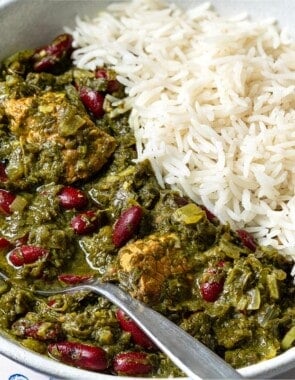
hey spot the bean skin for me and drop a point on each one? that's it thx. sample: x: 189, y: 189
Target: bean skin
x: 61, y: 45
x: 93, y: 100
x: 46, y: 64
x: 113, y: 84
x: 3, y: 175
x: 213, y: 280
x: 85, y: 223
x: 126, y: 225
x: 72, y: 198
x: 26, y: 254
x: 247, y: 239
x: 101, y: 72
x: 79, y: 355
x: 23, y: 240
x: 138, y: 336
x: 132, y: 363
x: 210, y: 216
x: 5, y: 245
x: 210, y: 291
x: 6, y: 199
x: 41, y: 331
x: 52, y: 55
x: 72, y: 279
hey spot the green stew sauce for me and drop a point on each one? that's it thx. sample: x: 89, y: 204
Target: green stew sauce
x: 217, y: 284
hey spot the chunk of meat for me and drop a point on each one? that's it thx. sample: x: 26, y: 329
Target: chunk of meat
x: 53, y: 132
x: 147, y: 263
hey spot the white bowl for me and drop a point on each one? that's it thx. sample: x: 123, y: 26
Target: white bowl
x: 31, y: 23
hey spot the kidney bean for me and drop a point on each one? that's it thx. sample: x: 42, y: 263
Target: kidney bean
x: 132, y: 363
x: 26, y: 254
x: 42, y: 331
x: 61, y: 45
x: 247, y: 240
x: 220, y: 263
x: 70, y: 197
x: 5, y: 245
x: 212, y: 281
x: 3, y: 175
x: 51, y: 303
x: 50, y: 56
x: 126, y: 225
x: 210, y: 291
x: 93, y: 101
x: 180, y: 201
x: 85, y: 223
x: 72, y: 279
x: 210, y: 216
x: 6, y: 199
x: 22, y: 240
x: 79, y: 355
x: 101, y: 72
x: 138, y: 336
x: 46, y: 63
x: 112, y: 84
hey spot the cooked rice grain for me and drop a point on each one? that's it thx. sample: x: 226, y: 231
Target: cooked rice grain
x: 213, y: 103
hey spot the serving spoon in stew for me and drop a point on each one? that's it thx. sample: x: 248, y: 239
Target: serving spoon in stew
x: 191, y: 356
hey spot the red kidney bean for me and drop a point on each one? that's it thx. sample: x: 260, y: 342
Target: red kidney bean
x: 210, y: 216
x: 213, y: 281
x: 247, y: 240
x: 85, y: 223
x: 132, y: 363
x: 101, y: 72
x: 46, y: 63
x: 61, y: 45
x: 5, y: 245
x: 126, y: 225
x: 48, y: 57
x: 72, y: 279
x: 210, y: 291
x: 138, y: 336
x: 180, y: 201
x: 220, y: 264
x: 93, y: 101
x: 6, y: 199
x: 70, y: 197
x: 26, y: 254
x: 112, y: 84
x: 3, y: 175
x: 42, y: 331
x: 79, y: 355
x: 22, y: 240
x: 51, y: 303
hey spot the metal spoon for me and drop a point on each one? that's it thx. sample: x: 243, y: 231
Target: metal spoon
x: 191, y: 356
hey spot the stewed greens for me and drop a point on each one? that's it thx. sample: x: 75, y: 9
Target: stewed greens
x: 75, y: 204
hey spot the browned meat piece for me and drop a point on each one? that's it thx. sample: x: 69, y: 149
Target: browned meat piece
x: 149, y: 262
x: 53, y: 134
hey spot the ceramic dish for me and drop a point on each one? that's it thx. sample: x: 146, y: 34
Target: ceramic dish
x: 32, y: 23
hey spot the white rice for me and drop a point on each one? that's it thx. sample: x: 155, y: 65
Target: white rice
x: 213, y: 104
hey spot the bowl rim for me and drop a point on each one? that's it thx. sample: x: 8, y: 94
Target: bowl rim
x: 43, y: 364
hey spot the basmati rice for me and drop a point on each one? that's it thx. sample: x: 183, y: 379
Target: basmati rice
x: 212, y: 106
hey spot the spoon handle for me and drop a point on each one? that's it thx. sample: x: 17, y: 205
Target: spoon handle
x: 190, y: 355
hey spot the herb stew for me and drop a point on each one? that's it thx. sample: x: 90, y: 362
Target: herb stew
x: 74, y: 204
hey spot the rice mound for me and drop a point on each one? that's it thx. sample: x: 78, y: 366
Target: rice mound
x: 213, y: 106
